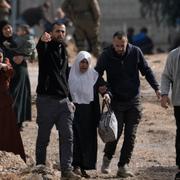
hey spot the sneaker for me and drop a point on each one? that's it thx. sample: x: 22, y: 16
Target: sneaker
x: 69, y: 175
x: 177, y: 177
x: 105, y: 165
x: 124, y: 172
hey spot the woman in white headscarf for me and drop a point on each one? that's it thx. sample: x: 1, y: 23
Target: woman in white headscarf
x: 83, y: 80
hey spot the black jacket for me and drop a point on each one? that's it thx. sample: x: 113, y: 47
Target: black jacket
x: 53, y: 69
x: 123, y: 72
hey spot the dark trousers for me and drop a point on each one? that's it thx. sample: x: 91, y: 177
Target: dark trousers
x: 177, y: 143
x: 128, y: 118
x: 52, y: 112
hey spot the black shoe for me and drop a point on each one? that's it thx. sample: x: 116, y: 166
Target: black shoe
x: 69, y: 175
x: 84, y: 174
x: 77, y: 170
x: 177, y: 177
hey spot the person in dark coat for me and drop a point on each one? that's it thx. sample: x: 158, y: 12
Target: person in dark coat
x: 20, y: 83
x: 122, y: 63
x: 83, y: 89
x: 143, y: 41
x: 10, y: 138
x: 53, y: 104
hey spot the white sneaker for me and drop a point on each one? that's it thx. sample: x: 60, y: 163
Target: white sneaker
x: 124, y: 172
x: 105, y: 165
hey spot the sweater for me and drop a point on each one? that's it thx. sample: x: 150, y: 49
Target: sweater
x: 53, y: 70
x: 170, y: 78
x: 123, y: 72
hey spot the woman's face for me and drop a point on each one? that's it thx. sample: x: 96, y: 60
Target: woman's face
x: 83, y: 66
x: 7, y: 31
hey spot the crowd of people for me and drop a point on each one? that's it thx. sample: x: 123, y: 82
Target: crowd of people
x: 68, y: 97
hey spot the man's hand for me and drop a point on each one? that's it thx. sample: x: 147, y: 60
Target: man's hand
x: 165, y: 101
x: 158, y: 94
x: 107, y: 98
x: 73, y: 106
x: 46, y: 37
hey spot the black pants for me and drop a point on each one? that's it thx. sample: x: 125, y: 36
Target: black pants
x: 177, y: 144
x: 128, y: 116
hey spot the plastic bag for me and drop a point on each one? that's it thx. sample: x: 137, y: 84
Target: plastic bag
x: 108, y: 126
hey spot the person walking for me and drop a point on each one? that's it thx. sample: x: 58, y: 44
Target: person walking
x: 170, y: 80
x: 53, y: 105
x: 122, y: 63
x: 83, y: 84
x: 85, y: 16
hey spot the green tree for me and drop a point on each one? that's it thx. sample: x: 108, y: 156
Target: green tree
x: 164, y: 11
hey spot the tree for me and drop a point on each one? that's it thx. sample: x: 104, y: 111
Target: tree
x: 164, y: 11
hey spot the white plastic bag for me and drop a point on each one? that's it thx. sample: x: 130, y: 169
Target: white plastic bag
x: 108, y: 126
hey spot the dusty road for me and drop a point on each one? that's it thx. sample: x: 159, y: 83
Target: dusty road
x: 154, y: 153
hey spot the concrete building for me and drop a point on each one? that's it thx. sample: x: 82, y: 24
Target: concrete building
x: 116, y: 15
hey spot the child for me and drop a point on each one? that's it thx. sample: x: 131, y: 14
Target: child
x: 83, y: 88
x: 10, y: 139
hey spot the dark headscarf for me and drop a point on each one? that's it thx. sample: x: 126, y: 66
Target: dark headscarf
x: 2, y: 24
x: 7, y: 53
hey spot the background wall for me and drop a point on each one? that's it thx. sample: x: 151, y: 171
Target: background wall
x: 116, y: 15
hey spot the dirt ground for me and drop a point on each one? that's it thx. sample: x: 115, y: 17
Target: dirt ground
x: 154, y: 154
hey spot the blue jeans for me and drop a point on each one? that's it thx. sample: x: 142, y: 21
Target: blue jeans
x: 50, y: 112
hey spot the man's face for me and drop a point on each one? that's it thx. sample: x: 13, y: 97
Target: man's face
x: 120, y: 45
x: 7, y: 31
x: 58, y: 33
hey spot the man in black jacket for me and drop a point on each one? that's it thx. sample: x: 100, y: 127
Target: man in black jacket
x: 122, y: 63
x: 53, y: 105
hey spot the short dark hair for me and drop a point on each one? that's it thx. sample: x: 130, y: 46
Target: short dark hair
x: 56, y: 23
x: 144, y: 30
x: 120, y: 34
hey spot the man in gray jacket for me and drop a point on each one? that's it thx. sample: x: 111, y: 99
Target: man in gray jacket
x: 171, y: 80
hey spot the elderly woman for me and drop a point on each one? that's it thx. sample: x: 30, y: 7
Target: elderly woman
x: 83, y: 80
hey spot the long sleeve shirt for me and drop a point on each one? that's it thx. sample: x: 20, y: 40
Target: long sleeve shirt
x: 171, y: 76
x: 53, y: 70
x: 123, y: 72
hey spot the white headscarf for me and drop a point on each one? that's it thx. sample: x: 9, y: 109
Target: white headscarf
x: 82, y: 84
